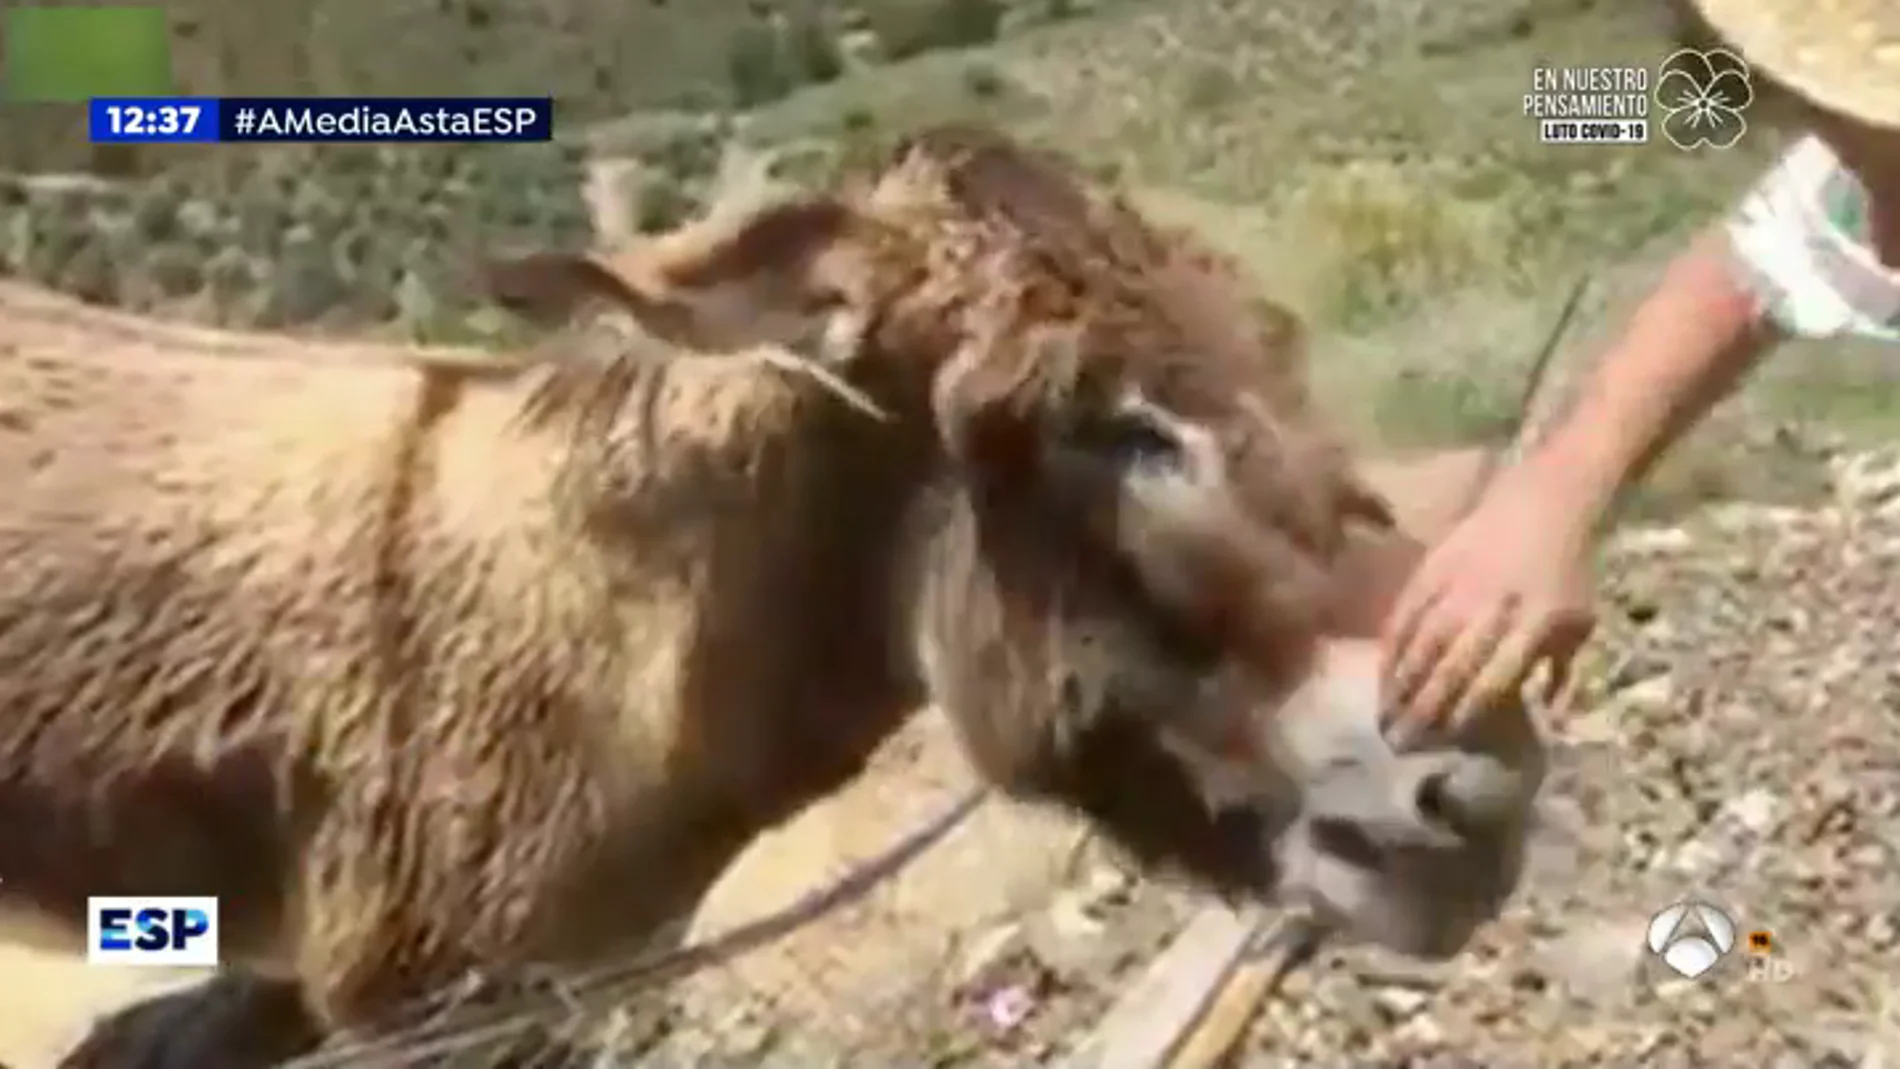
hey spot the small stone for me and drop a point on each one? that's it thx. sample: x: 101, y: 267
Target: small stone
x: 1637, y: 665
x: 1655, y: 540
x: 1883, y: 932
x: 1671, y: 990
x: 1379, y: 967
x: 1653, y: 695
x: 1756, y: 810
x: 1421, y: 1031
x: 1077, y: 913
x: 156, y: 213
x: 1593, y: 728
x: 1399, y: 1003
x: 261, y: 226
x: 860, y: 49
x: 1868, y: 478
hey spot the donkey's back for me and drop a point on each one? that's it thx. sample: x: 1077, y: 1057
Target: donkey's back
x: 421, y: 667
x: 242, y: 591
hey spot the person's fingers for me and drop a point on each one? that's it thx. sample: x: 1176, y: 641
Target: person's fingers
x: 1566, y: 640
x: 1407, y: 641
x: 1425, y: 644
x: 1400, y: 629
x: 1427, y: 585
x: 1503, y: 672
x: 1557, y: 684
x: 1451, y: 674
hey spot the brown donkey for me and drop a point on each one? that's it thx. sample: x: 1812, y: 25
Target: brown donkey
x: 427, y: 674
x: 1151, y: 564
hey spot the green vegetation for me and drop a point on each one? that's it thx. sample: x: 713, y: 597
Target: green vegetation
x: 1373, y: 168
x: 68, y: 54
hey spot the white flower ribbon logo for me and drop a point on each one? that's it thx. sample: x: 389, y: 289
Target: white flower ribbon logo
x: 1702, y: 96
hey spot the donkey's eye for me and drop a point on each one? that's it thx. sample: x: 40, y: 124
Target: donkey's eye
x: 1130, y: 438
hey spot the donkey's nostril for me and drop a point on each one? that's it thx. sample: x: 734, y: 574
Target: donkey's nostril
x: 1472, y: 797
x: 1434, y: 800
x: 1350, y: 843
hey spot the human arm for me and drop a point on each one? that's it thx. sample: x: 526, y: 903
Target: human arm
x: 1686, y: 348
x: 1508, y: 586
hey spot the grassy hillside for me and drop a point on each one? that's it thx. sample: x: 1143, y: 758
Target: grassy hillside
x: 1367, y: 158
x: 1371, y: 163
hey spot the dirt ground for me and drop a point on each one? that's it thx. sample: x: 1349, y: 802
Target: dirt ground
x: 1738, y: 740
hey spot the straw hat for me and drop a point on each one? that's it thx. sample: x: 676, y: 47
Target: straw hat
x: 1843, y: 55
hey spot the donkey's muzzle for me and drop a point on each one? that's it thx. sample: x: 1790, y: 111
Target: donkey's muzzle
x: 1436, y: 801
x: 1414, y: 849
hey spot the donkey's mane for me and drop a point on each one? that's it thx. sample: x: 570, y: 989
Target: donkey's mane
x: 1067, y: 228
x: 589, y: 372
x: 1082, y: 257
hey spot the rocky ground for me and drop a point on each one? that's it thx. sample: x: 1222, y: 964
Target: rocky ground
x: 1738, y: 734
x: 1737, y: 741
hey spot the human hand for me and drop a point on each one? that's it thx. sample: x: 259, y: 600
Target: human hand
x: 1507, y: 589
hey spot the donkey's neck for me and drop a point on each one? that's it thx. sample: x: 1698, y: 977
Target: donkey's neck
x: 781, y: 510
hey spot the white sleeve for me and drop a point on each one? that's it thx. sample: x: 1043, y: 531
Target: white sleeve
x: 1812, y: 279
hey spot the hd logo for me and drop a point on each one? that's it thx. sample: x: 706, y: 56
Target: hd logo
x: 152, y: 931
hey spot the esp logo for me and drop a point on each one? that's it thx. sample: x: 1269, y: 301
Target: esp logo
x: 166, y: 931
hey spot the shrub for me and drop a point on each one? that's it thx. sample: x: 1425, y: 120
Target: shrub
x: 756, y: 68
x: 942, y: 24
x: 664, y: 204
x: 983, y: 81
x: 963, y: 23
x: 814, y: 52
x: 1384, y: 236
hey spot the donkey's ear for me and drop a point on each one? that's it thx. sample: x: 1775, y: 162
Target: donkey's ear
x: 791, y: 274
x: 794, y: 274
x: 552, y: 288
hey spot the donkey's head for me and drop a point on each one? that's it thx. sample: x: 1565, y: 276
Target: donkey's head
x: 1146, y: 603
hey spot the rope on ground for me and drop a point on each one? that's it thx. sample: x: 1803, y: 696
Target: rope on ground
x: 483, y: 1029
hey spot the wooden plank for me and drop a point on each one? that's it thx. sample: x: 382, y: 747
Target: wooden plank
x: 1221, y: 1028
x: 1154, y: 1013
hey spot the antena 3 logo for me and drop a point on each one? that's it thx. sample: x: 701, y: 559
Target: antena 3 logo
x: 174, y: 931
x: 1691, y: 937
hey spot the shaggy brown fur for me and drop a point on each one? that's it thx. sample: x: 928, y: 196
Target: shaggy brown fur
x: 421, y: 673
x: 424, y: 674
x: 1151, y: 536
x: 1074, y: 630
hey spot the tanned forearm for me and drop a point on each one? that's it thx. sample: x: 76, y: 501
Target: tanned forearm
x: 1686, y: 348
